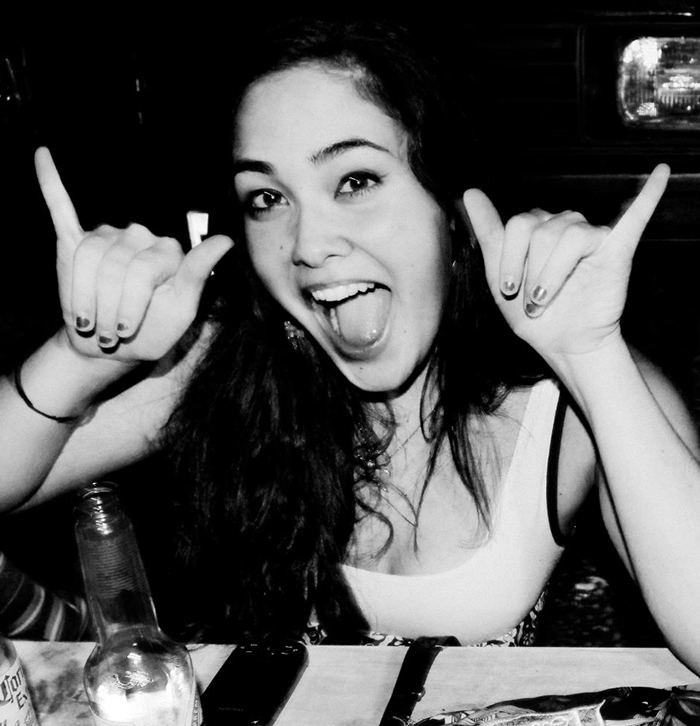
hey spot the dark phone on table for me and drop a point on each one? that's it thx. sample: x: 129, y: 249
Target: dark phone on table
x: 254, y: 683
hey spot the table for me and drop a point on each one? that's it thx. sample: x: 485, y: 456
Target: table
x: 350, y: 685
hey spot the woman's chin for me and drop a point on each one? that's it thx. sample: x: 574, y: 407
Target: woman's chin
x: 377, y: 377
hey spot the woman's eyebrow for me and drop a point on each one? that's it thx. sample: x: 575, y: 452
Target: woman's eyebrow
x: 326, y: 154
x: 261, y: 167
x: 340, y: 147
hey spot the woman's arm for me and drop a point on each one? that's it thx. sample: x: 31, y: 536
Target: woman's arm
x: 649, y: 485
x: 41, y: 458
x: 127, y: 298
x: 561, y: 285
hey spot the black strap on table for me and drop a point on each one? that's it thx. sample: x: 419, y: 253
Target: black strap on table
x: 408, y: 689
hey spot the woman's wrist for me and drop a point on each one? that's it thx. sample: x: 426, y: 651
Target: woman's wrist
x: 598, y: 374
x: 19, y: 387
x: 59, y: 383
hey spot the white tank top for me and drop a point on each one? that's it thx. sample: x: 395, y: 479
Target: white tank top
x: 500, y: 582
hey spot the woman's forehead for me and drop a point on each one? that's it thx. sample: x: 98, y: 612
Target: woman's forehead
x: 308, y: 106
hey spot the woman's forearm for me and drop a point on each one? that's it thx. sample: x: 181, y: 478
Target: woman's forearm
x: 647, y: 445
x: 63, y: 385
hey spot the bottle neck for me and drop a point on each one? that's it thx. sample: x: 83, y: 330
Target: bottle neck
x: 117, y: 589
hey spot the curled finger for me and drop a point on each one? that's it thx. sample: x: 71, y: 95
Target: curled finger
x: 147, y: 271
x: 544, y: 241
x: 518, y: 233
x: 88, y: 256
x: 126, y: 261
x: 575, y: 243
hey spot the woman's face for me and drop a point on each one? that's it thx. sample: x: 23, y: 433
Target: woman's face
x: 339, y: 229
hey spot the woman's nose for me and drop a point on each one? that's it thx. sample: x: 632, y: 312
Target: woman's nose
x: 318, y: 236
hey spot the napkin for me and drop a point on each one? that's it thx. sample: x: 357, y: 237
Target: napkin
x: 624, y: 706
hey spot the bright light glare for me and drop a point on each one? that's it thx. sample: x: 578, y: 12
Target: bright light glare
x: 658, y: 83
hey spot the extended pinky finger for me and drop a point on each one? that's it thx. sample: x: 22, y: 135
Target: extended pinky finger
x: 577, y: 242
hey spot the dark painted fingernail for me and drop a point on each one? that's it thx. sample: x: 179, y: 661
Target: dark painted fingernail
x: 106, y: 340
x: 123, y: 328
x: 532, y: 309
x: 539, y: 294
x: 508, y: 286
x: 82, y: 323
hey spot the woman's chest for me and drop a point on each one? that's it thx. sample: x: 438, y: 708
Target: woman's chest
x: 418, y: 534
x: 426, y: 525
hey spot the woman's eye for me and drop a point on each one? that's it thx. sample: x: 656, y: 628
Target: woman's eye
x: 262, y: 201
x: 357, y: 183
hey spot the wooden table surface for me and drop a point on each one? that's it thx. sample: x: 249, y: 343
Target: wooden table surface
x: 349, y: 685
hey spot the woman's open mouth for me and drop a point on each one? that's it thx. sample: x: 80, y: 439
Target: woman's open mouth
x: 356, y: 312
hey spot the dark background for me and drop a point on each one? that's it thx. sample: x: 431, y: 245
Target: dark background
x: 136, y: 117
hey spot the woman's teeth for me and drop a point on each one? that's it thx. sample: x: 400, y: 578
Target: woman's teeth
x: 341, y: 292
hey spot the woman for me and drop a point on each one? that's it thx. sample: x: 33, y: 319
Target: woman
x: 356, y: 446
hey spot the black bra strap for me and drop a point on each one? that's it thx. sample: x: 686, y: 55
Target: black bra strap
x: 553, y: 471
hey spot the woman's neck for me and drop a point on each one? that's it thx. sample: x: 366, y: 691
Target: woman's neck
x: 408, y: 407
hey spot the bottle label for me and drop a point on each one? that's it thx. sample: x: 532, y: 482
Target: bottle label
x: 15, y: 706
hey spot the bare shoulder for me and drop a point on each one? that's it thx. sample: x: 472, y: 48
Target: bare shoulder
x: 575, y: 451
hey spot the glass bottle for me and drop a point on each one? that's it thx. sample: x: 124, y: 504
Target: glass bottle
x: 136, y: 674
x: 15, y: 704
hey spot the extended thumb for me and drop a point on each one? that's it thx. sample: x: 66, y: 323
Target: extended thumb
x: 200, y: 262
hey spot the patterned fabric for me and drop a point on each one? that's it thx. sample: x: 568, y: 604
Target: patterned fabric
x: 522, y: 634
x: 29, y: 610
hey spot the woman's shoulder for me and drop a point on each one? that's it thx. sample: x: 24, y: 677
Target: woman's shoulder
x: 571, y: 441
x: 517, y: 399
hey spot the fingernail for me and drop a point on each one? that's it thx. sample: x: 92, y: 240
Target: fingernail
x: 82, y: 323
x: 532, y: 309
x: 123, y: 328
x: 106, y: 340
x: 509, y: 286
x: 539, y: 294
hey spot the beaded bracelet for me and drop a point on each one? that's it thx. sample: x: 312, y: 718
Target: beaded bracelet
x: 25, y: 398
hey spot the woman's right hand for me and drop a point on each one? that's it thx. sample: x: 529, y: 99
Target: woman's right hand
x: 126, y: 295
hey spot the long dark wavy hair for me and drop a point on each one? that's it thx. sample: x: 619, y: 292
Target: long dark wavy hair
x: 273, y: 448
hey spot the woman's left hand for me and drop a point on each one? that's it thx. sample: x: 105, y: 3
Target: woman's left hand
x: 560, y: 282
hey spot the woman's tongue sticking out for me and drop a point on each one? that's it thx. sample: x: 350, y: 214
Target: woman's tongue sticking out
x: 360, y: 320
